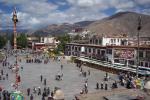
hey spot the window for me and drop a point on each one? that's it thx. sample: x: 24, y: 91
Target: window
x: 79, y: 48
x: 90, y: 41
x: 111, y: 40
x: 96, y: 41
x: 131, y: 62
x: 118, y: 40
x: 75, y: 48
x: 109, y: 51
x: 146, y: 64
x: 98, y: 51
x: 89, y: 50
x: 86, y: 50
x: 103, y: 53
x: 72, y: 47
x: 93, y: 50
x: 147, y: 54
x: 114, y: 40
x: 141, y: 54
x: 141, y: 63
x: 100, y: 41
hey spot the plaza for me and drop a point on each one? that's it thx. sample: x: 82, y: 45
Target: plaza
x: 71, y: 84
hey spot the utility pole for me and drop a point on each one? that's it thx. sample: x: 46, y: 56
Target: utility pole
x: 138, y: 45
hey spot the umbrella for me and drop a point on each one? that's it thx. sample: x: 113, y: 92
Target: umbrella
x: 147, y: 85
x: 59, y: 95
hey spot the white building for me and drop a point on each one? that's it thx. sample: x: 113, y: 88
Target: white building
x: 114, y: 41
x: 106, y: 40
x: 48, y: 40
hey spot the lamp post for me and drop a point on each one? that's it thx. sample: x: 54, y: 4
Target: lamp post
x: 138, y: 42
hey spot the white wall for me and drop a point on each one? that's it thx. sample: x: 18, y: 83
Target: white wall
x: 48, y: 40
x: 107, y: 41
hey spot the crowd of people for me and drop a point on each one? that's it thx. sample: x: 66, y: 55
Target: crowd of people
x: 44, y: 92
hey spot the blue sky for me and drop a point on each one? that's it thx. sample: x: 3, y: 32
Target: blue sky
x: 33, y: 14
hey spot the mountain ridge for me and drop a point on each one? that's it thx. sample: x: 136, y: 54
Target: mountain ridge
x: 119, y: 23
x: 122, y: 22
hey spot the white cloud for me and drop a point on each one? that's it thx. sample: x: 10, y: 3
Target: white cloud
x: 34, y: 13
x: 1, y: 11
x: 39, y: 7
x: 142, y: 1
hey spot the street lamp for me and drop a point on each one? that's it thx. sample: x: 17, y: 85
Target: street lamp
x: 138, y: 42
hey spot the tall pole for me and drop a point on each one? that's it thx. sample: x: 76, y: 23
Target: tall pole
x: 15, y: 20
x: 138, y: 44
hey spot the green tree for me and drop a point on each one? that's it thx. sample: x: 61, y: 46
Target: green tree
x: 63, y: 40
x: 77, y: 37
x: 3, y: 41
x: 22, y: 41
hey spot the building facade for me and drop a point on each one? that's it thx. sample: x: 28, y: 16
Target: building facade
x: 42, y: 43
x: 112, y: 50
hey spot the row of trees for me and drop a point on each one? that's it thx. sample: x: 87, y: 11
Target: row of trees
x: 3, y: 41
x: 21, y: 41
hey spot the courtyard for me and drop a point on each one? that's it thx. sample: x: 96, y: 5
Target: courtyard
x: 71, y: 84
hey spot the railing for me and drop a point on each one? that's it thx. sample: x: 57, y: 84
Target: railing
x: 115, y: 65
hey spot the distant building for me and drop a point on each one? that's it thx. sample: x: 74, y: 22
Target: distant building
x: 43, y: 43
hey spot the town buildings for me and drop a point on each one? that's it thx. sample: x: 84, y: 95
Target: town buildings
x: 42, y: 43
x: 115, y: 50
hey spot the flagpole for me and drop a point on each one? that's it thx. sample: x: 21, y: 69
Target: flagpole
x: 138, y: 45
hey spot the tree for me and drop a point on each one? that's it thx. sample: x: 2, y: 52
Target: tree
x: 63, y: 40
x: 3, y: 41
x: 22, y: 41
x: 77, y: 37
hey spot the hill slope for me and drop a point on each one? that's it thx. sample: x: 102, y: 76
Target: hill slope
x: 121, y: 23
x: 57, y: 29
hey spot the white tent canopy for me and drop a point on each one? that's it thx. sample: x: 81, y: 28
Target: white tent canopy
x: 59, y: 95
x: 147, y: 85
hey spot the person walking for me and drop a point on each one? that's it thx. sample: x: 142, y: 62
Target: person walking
x: 21, y: 68
x: 43, y: 98
x: 97, y: 85
x: 2, y: 72
x: 101, y: 85
x: 31, y: 97
x: 106, y: 86
x: 28, y: 91
x: 48, y: 91
x: 7, y: 76
x: 89, y: 72
x: 39, y: 91
x: 45, y: 81
x: 61, y: 67
x: 34, y: 90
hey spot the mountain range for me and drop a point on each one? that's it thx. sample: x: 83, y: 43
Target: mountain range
x: 119, y: 23
x: 58, y: 29
x: 122, y: 23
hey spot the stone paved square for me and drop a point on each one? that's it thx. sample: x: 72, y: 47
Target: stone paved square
x: 71, y: 84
